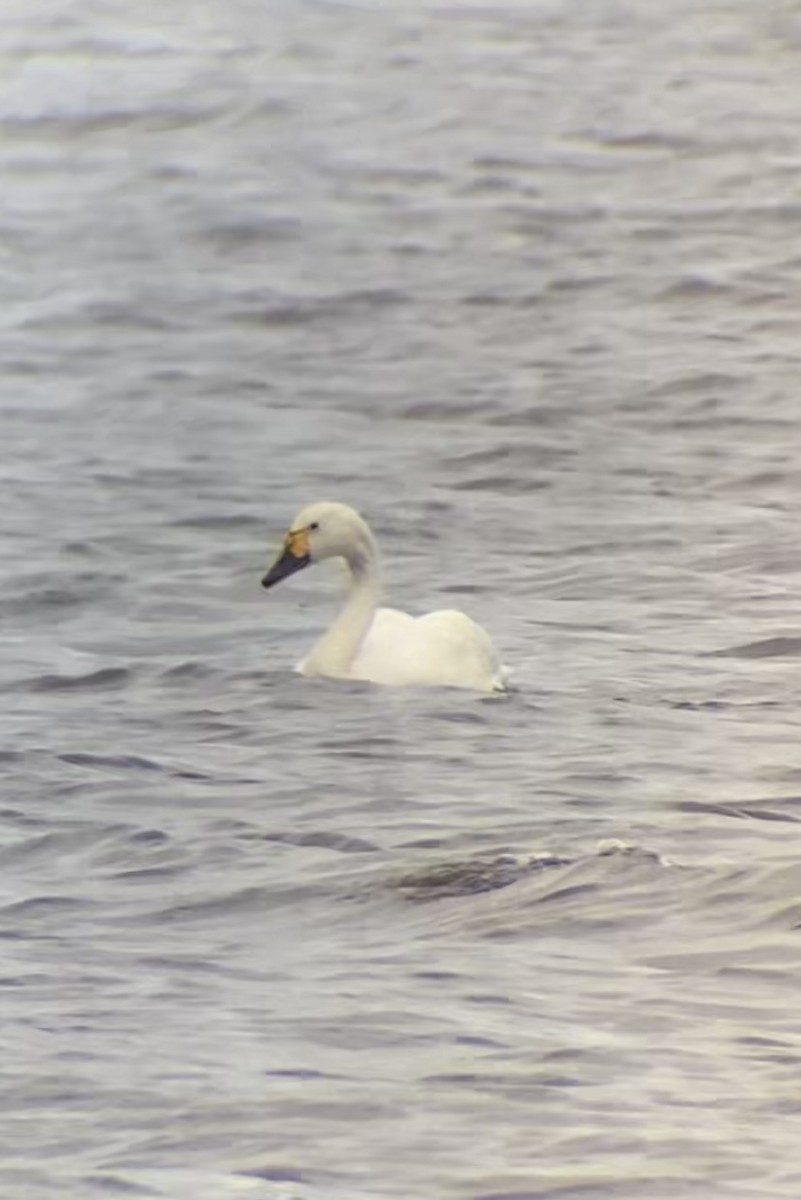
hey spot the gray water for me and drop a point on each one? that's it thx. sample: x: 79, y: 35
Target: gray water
x: 520, y: 281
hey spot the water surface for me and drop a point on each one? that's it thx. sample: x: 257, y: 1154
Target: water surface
x: 520, y: 281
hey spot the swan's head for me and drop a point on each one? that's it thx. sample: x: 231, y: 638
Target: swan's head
x: 323, y: 530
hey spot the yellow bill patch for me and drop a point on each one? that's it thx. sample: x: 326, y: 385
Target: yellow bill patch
x: 297, y: 543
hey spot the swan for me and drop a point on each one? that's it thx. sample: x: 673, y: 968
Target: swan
x: 382, y: 645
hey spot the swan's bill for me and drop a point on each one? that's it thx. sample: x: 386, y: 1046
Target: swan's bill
x: 295, y: 555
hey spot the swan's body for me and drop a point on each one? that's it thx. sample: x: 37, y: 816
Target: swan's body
x: 381, y: 645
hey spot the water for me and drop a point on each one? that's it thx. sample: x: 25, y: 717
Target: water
x: 520, y: 281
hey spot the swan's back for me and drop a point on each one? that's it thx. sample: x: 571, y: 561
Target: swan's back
x: 442, y: 648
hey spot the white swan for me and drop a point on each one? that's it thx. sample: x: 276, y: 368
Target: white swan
x: 382, y: 645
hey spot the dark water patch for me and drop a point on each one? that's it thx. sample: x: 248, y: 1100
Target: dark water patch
x: 497, y: 183
x: 459, y: 717
x: 528, y: 456
x: 51, y: 599
x: 282, y: 313
x: 66, y: 123
x: 105, y: 679
x: 437, y: 410
x: 113, y: 316
x: 276, y: 1174
x: 249, y: 233
x: 537, y: 416
x: 361, y: 749
x: 342, y: 843
x: 568, y: 284
x: 25, y: 820
x: 774, y: 977
x: 466, y: 877
x: 149, y: 837
x: 696, y: 382
x: 759, y: 481
x: 512, y: 1087
x: 741, y: 811
x: 300, y: 1073
x: 529, y: 1194
x: 490, y: 999
x: 192, y: 669
x: 31, y: 979
x: 107, y: 1184
x: 503, y: 300
x: 435, y: 976
x: 217, y: 521
x: 569, y: 892
x: 425, y: 843
x: 401, y: 175
x: 502, y: 485
x: 135, y: 316
x: 463, y: 589
x: 186, y: 963
x: 506, y: 162
x: 205, y: 777
x: 761, y: 1042
x: 540, y: 219
x: 712, y: 415
x: 209, y: 720
x: 149, y: 874
x: 83, y: 549
x: 124, y: 762
x: 642, y: 140
x: 787, y: 646
x: 42, y: 908
x: 697, y: 287
x: 132, y: 763
x: 477, y: 1039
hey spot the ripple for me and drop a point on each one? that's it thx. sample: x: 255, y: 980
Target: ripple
x: 128, y: 762
x: 467, y: 877
x: 282, y: 312
x: 502, y: 485
x: 43, y: 908
x: 342, y: 843
x: 697, y: 287
x: 773, y: 647
x: 105, y: 679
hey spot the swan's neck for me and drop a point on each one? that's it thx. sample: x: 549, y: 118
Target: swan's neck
x: 339, y: 645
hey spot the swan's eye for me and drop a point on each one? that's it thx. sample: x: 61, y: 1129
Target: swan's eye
x: 314, y: 526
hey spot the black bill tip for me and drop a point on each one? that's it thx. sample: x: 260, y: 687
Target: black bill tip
x: 283, y: 567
